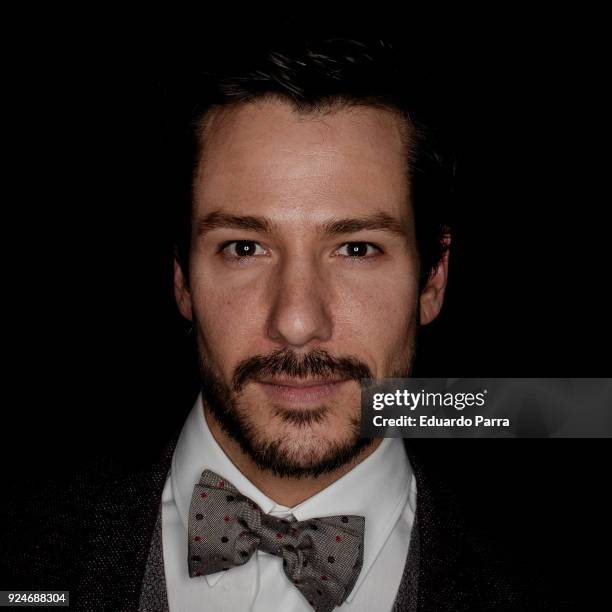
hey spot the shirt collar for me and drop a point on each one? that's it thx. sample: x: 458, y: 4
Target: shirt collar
x: 360, y: 491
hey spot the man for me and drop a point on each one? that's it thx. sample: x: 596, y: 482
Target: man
x: 311, y: 251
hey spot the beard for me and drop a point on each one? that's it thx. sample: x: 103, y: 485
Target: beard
x: 306, y: 456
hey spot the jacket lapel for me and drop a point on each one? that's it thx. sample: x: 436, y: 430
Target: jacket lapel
x: 440, y: 536
x: 119, y: 537
x: 457, y: 567
x: 154, y: 594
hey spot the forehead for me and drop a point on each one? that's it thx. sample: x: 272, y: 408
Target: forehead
x: 265, y: 157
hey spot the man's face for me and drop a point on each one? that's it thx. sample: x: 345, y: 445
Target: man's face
x: 303, y: 276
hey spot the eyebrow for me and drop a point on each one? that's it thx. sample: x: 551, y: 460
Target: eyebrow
x: 215, y: 220
x: 380, y: 221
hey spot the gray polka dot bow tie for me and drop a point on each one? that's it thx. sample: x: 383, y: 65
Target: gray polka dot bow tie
x: 322, y: 557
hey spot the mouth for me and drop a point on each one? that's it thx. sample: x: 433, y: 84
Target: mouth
x: 301, y: 392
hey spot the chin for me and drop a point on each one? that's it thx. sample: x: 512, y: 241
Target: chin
x: 300, y: 450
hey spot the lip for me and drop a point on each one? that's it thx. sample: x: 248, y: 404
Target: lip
x: 301, y: 392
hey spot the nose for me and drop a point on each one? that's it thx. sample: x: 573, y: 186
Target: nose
x: 300, y: 308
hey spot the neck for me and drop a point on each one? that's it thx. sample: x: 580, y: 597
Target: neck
x: 284, y: 490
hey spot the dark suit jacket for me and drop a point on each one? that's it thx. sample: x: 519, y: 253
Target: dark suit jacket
x: 93, y: 537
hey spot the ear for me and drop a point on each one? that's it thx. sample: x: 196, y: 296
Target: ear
x: 432, y: 296
x: 182, y: 294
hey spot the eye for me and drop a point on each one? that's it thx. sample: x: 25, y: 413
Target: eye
x: 358, y: 249
x: 239, y: 249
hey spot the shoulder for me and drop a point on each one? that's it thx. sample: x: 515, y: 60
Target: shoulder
x: 463, y: 564
x: 45, y: 523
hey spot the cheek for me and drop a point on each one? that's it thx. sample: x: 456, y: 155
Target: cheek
x: 378, y: 318
x: 229, y: 319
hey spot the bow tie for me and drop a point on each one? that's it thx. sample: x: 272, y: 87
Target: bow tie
x: 322, y: 557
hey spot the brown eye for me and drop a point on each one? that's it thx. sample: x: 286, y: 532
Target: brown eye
x: 358, y: 249
x: 243, y: 248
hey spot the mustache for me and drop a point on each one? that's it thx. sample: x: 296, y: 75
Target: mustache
x: 318, y: 363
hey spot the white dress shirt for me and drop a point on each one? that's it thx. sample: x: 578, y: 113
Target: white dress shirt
x: 381, y: 488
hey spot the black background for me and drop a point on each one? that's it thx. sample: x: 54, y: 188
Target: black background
x: 98, y: 360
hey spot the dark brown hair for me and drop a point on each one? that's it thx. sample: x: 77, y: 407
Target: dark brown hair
x: 316, y: 74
